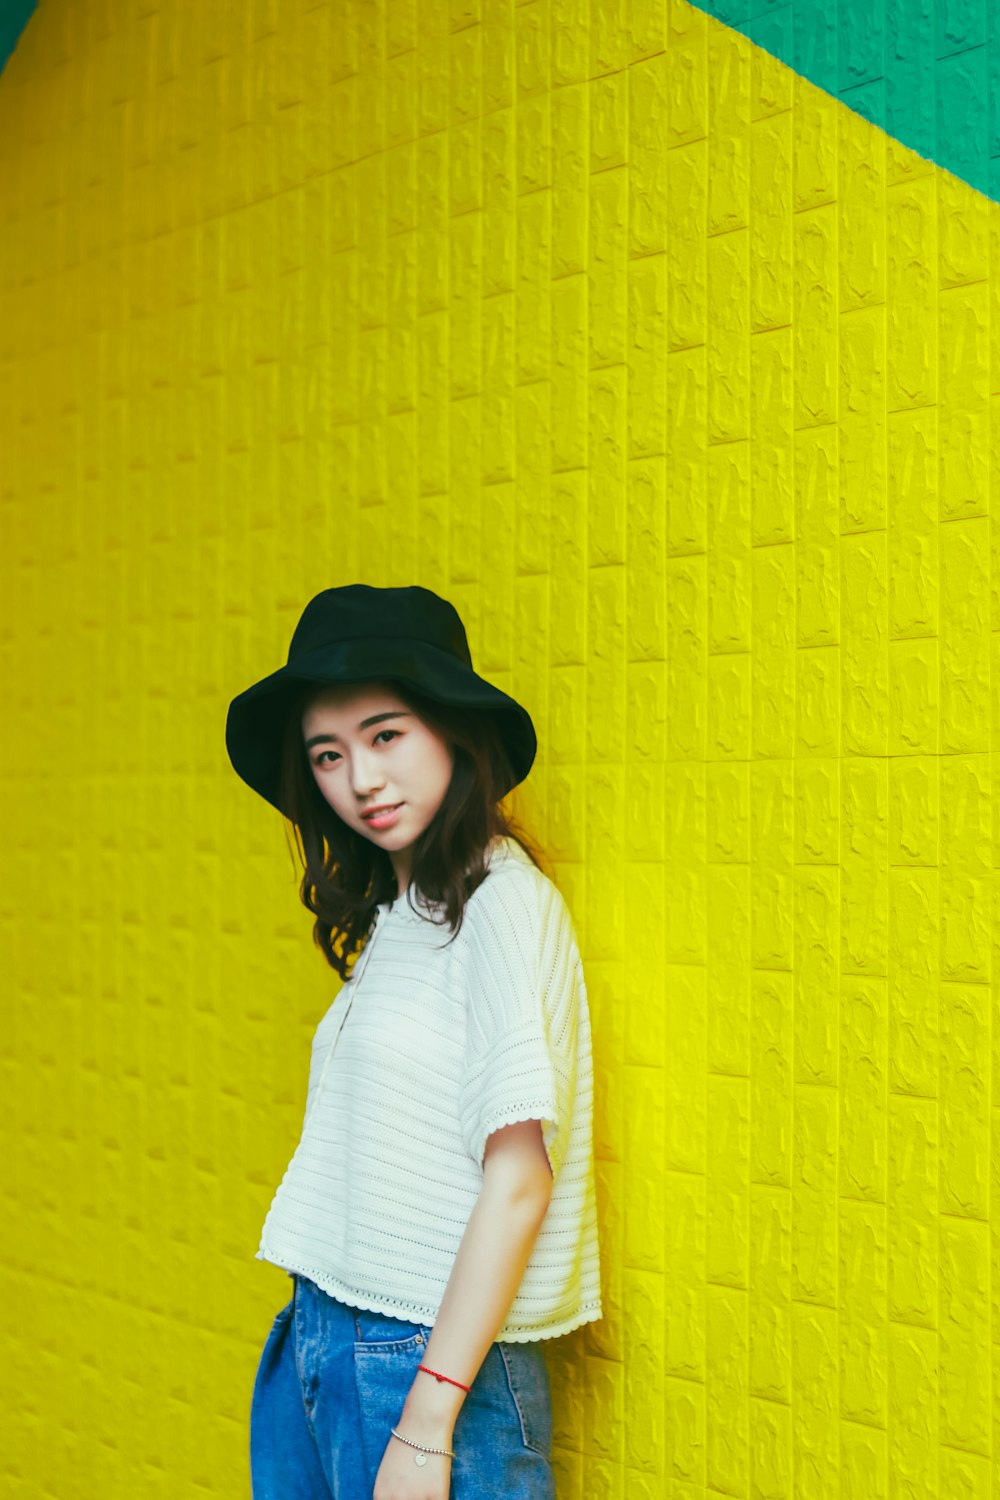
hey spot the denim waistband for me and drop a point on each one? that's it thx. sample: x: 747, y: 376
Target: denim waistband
x: 359, y: 1323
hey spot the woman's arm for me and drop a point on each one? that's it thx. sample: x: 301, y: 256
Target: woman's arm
x: 494, y: 1250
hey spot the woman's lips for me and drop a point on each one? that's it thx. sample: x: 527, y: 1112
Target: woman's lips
x: 385, y: 819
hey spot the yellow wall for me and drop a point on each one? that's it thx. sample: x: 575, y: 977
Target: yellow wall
x: 674, y: 375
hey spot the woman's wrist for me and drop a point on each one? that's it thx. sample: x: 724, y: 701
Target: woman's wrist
x: 431, y: 1409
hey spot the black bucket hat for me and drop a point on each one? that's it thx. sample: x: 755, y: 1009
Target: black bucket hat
x: 360, y: 633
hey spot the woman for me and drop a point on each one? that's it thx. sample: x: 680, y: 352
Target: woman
x: 438, y: 1216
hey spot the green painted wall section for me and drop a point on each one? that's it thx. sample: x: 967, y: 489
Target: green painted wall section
x: 14, y: 15
x: 927, y: 73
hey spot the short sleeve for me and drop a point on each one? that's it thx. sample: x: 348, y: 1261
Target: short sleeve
x: 522, y: 1011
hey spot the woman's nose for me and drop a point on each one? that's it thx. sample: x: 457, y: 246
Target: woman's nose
x: 364, y: 776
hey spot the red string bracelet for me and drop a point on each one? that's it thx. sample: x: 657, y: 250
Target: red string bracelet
x: 444, y: 1377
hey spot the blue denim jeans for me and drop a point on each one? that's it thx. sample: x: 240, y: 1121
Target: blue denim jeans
x: 330, y: 1386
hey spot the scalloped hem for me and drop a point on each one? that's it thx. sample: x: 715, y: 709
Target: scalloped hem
x: 544, y: 1111
x: 585, y: 1315
x: 412, y: 1313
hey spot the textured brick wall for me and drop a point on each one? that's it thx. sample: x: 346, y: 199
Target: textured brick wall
x: 676, y: 376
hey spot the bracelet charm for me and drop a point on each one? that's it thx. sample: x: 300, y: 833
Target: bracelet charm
x: 420, y: 1457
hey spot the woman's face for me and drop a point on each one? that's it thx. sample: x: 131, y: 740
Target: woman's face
x: 367, y: 749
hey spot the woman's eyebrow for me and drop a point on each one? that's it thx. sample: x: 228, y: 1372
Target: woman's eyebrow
x: 326, y: 739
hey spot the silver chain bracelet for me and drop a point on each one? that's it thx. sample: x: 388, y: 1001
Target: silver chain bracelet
x: 421, y: 1457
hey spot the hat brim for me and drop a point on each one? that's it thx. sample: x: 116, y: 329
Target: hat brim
x: 255, y: 723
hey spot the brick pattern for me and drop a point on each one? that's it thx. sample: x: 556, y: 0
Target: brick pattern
x: 677, y: 376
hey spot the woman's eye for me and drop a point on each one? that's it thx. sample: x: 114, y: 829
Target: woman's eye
x: 392, y: 733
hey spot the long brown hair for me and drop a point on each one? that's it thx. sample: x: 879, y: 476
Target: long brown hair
x: 345, y: 876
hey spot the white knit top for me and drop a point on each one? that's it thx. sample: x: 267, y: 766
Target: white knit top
x: 424, y: 1052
